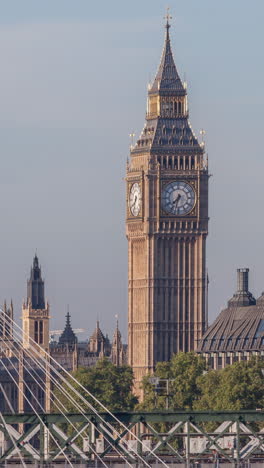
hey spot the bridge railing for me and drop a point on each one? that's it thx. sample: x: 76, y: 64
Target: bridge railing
x: 181, y: 437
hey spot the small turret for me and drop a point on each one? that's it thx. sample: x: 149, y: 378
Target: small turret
x: 68, y: 337
x: 117, y: 352
x: 97, y: 340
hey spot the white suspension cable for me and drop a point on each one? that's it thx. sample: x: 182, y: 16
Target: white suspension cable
x: 105, y: 423
x: 61, y: 388
x: 32, y: 407
x: 60, y: 405
x: 38, y: 382
x: 40, y: 355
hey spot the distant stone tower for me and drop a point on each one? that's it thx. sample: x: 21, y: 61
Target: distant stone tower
x: 35, y: 311
x: 117, y: 351
x: 166, y: 227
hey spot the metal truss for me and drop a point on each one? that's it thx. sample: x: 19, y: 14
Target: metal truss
x: 178, y: 437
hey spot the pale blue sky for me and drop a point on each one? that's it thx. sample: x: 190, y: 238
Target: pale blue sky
x: 72, y: 87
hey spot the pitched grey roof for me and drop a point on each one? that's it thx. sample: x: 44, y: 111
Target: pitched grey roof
x: 239, y: 327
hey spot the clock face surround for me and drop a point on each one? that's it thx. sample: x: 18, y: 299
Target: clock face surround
x: 178, y: 198
x: 135, y: 199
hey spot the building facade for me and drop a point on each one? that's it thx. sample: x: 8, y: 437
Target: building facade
x: 166, y: 227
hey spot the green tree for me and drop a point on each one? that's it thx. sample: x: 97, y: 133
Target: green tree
x: 182, y: 371
x: 239, y: 386
x: 111, y: 385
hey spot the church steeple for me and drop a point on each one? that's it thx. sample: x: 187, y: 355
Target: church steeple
x: 35, y: 286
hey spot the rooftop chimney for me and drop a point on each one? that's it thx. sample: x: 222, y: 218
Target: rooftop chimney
x: 242, y: 298
x: 242, y: 280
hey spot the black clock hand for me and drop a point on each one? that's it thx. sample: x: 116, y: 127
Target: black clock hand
x: 177, y: 199
x: 135, y: 201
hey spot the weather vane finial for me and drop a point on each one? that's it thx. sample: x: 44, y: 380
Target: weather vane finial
x: 168, y: 17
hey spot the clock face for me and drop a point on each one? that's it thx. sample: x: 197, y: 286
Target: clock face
x: 178, y: 198
x: 135, y: 199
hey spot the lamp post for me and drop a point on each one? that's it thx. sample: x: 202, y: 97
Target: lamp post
x: 155, y: 381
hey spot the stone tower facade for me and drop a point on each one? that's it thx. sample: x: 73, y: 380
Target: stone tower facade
x: 166, y: 227
x: 35, y: 311
x: 117, y: 351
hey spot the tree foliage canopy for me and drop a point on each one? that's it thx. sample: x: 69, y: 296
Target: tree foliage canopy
x: 110, y: 384
x: 192, y: 387
x: 240, y: 386
x: 182, y: 371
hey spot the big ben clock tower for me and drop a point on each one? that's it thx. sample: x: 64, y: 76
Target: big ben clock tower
x: 166, y: 227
